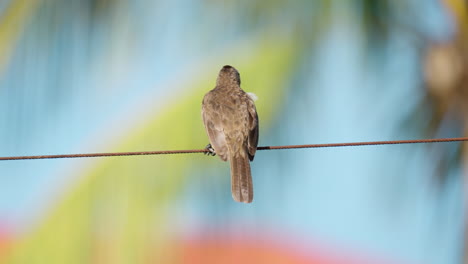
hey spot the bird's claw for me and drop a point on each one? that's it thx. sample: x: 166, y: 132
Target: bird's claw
x: 210, y: 150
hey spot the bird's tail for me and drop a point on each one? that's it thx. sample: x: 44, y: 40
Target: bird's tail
x: 241, y: 179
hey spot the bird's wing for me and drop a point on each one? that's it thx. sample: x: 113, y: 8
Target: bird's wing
x: 253, y: 130
x: 212, y: 122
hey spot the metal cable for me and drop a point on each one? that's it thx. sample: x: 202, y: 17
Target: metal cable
x: 166, y: 152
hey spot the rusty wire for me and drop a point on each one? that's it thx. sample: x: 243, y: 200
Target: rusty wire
x: 166, y: 152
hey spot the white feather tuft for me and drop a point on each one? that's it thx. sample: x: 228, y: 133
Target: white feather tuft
x: 253, y: 96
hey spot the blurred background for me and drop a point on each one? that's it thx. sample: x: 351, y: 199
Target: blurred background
x: 129, y: 75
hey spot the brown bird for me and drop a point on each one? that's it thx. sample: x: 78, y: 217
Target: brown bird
x: 231, y: 122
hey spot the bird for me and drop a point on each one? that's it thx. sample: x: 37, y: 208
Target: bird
x: 231, y: 122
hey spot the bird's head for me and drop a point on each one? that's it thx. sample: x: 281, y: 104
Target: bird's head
x: 228, y: 75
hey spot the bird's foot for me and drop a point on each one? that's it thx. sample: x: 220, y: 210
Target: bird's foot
x: 210, y: 150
